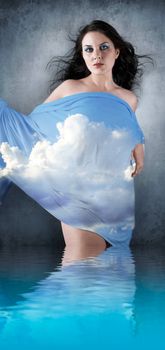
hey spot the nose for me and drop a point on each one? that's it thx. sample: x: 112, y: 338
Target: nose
x: 96, y: 55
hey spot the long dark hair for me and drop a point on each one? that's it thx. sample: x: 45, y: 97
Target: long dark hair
x: 127, y: 70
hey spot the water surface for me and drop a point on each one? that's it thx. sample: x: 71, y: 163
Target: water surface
x: 113, y: 300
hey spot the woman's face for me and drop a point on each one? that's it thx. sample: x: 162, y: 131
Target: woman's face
x: 98, y: 48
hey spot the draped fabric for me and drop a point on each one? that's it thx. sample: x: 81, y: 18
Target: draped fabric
x: 73, y: 157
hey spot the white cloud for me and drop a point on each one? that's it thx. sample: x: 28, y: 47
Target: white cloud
x: 87, y: 166
x: 12, y: 156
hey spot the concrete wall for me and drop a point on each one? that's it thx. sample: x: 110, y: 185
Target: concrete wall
x: 31, y: 33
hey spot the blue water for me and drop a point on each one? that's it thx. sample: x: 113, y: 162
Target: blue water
x: 112, y: 301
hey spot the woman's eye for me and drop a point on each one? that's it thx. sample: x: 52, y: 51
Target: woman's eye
x: 104, y: 47
x: 89, y: 49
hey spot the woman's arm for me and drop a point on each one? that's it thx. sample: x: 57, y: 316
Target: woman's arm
x: 138, y: 155
x: 138, y: 152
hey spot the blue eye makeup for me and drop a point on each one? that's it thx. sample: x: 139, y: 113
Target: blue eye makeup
x: 103, y: 47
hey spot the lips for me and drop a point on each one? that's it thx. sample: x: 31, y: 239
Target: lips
x: 98, y: 64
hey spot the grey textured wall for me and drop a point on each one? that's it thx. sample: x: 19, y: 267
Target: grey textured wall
x: 31, y: 33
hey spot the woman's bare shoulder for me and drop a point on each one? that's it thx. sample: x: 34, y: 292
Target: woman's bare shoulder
x: 67, y: 87
x: 73, y: 86
x: 129, y: 96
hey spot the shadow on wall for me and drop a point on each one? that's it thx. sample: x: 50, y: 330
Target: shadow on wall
x: 24, y: 222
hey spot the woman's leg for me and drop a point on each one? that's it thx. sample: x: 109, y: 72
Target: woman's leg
x: 81, y: 244
x: 75, y: 236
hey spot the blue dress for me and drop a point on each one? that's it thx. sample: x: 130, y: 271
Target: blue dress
x: 73, y: 157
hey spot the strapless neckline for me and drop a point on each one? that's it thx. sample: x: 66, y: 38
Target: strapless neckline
x: 86, y: 93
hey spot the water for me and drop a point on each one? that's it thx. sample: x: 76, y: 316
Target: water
x: 114, y: 300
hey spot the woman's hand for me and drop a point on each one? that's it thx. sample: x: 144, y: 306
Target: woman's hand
x: 138, y: 155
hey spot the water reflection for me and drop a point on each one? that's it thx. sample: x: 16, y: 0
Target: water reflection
x: 93, y: 294
x: 21, y: 268
x: 149, y: 302
x: 95, y: 284
x: 96, y: 301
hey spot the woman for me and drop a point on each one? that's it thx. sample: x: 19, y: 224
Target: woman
x: 94, y: 107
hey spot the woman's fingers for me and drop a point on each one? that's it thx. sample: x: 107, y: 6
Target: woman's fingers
x: 137, y: 170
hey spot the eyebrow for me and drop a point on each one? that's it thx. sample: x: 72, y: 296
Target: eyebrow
x: 105, y: 42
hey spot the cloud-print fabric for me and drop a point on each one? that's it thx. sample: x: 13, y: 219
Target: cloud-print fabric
x: 73, y: 156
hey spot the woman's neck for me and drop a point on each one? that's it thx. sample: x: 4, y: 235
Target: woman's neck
x: 100, y: 83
